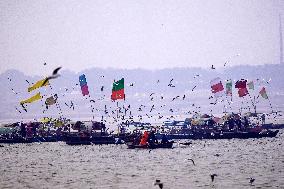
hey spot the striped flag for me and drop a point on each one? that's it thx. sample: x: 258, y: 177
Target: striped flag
x: 118, y: 90
x: 263, y: 93
x: 83, y: 84
x: 251, y: 85
x: 217, y: 87
x: 229, y: 85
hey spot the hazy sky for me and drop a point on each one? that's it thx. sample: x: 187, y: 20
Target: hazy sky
x: 137, y: 34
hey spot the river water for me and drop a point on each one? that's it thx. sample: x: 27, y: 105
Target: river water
x: 57, y: 165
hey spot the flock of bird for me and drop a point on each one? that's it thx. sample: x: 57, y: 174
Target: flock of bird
x: 114, y: 112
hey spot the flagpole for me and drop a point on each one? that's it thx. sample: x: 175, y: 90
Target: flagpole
x: 253, y: 103
x: 270, y: 104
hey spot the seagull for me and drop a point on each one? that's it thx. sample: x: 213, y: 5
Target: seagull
x: 192, y: 161
x: 158, y: 182
x: 9, y: 79
x: 226, y: 63
x: 212, y: 67
x: 175, y: 98
x: 193, y: 88
x: 27, y: 81
x: 152, y: 108
x: 131, y: 84
x: 24, y: 108
x: 183, y: 97
x: 197, y: 75
x: 213, y: 176
x: 251, y: 180
x: 18, y: 110
x: 44, y: 64
x: 170, y: 84
x: 14, y: 91
x: 53, y: 76
x: 92, y: 101
x: 152, y: 94
x: 102, y: 88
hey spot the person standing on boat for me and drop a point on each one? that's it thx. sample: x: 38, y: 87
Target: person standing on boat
x: 231, y: 123
x: 152, y: 138
x: 164, y: 139
x: 246, y: 122
x: 263, y: 119
x: 144, y: 138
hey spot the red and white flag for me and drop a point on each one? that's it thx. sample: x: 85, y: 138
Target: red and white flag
x: 217, y: 87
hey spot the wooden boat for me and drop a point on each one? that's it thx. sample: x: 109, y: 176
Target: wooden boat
x: 221, y: 135
x: 77, y: 139
x: 151, y: 146
x: 15, y: 140
x: 108, y: 139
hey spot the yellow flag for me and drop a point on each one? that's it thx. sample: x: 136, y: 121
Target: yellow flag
x: 38, y: 85
x: 32, y: 99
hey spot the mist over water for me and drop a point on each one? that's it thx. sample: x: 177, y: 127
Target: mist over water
x: 57, y: 165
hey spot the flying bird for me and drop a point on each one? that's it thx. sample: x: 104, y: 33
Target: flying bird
x: 102, y: 88
x: 53, y: 76
x: 251, y: 180
x: 24, y: 108
x: 14, y: 91
x: 131, y: 84
x: 44, y: 64
x: 197, y: 75
x: 212, y: 67
x: 226, y: 63
x: 170, y: 84
x: 152, y: 108
x: 18, y: 110
x: 152, y: 94
x: 191, y: 160
x: 175, y: 98
x: 213, y: 176
x: 193, y: 88
x: 158, y: 183
x: 183, y: 97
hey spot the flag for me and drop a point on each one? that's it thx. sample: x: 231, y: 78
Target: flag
x: 217, y: 87
x: 32, y: 99
x: 38, y: 85
x: 51, y: 100
x: 229, y: 85
x: 242, y: 92
x: 82, y: 80
x: 83, y: 84
x: 251, y: 85
x: 263, y: 93
x: 242, y: 86
x: 85, y: 90
x: 118, y: 90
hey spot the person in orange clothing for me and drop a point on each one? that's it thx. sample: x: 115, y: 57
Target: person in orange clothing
x: 144, y: 138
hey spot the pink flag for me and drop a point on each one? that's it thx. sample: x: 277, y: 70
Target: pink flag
x: 85, y: 90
